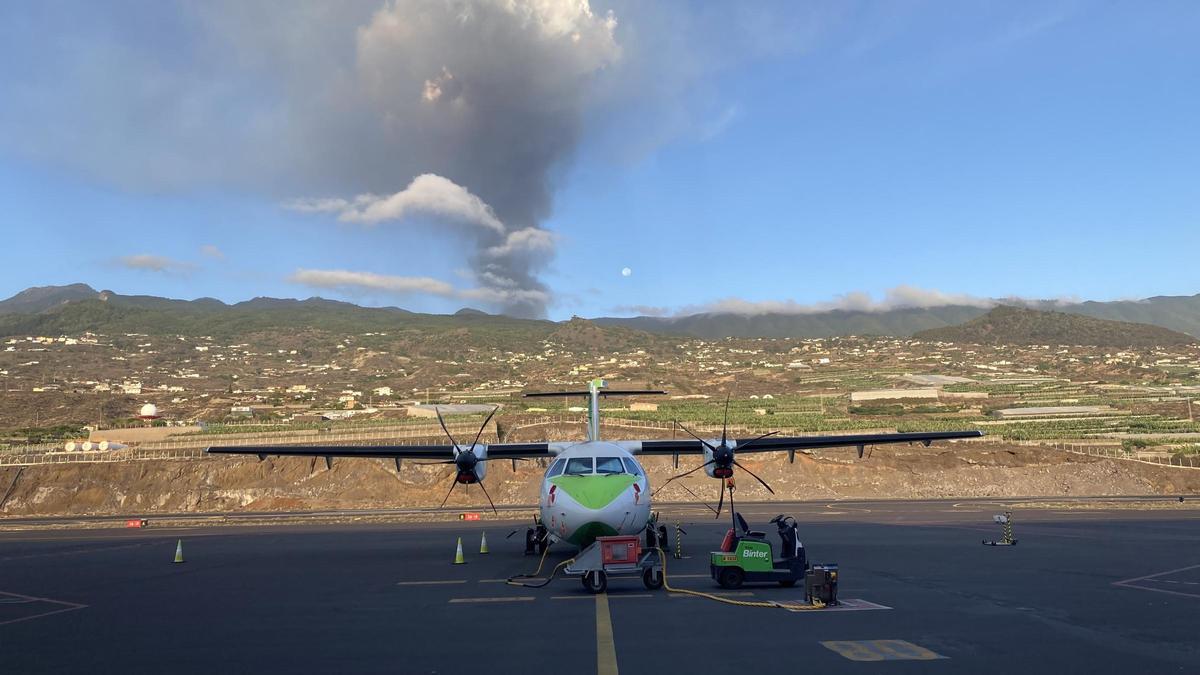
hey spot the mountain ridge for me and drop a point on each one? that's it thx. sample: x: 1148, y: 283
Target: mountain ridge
x: 74, y: 307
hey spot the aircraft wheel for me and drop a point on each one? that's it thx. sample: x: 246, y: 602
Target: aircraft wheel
x: 652, y: 578
x: 596, y: 582
x: 663, y: 541
x: 731, y: 577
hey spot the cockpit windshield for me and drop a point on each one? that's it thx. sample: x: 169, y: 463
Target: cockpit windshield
x: 578, y: 465
x: 609, y: 465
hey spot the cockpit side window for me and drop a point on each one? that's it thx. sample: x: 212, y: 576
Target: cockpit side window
x: 609, y: 465
x: 631, y: 466
x: 556, y: 468
x: 578, y: 465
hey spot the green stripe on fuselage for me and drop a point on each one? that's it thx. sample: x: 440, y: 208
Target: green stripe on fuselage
x: 585, y: 534
x: 594, y: 491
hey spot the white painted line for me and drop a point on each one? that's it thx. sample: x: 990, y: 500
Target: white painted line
x: 66, y: 607
x: 442, y: 582
x: 1159, y: 590
x: 589, y: 596
x: 1157, y: 574
x: 518, y: 598
x: 493, y: 581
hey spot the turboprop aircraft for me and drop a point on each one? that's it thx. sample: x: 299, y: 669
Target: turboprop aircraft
x: 594, y: 487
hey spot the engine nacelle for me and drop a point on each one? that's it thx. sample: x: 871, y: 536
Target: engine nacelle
x: 467, y: 460
x: 718, y: 462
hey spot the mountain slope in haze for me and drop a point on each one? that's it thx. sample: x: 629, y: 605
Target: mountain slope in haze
x: 897, y: 322
x: 1022, y: 326
x: 1178, y: 313
x: 41, y: 298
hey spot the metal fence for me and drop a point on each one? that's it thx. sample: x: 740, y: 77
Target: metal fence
x: 192, y: 447
x: 1188, y: 461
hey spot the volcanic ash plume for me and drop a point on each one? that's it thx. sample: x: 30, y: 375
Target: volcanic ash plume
x: 482, y: 101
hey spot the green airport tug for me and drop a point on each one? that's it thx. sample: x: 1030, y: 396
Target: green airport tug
x: 748, y: 557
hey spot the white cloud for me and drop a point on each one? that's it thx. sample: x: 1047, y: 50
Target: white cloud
x: 427, y: 194
x: 351, y: 282
x: 153, y: 263
x: 348, y: 281
x: 212, y: 251
x: 504, y: 262
x: 899, y: 297
x: 642, y: 310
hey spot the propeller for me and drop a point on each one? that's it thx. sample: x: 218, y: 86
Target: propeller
x: 723, y: 459
x: 466, y: 460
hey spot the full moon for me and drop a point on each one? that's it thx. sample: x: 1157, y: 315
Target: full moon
x: 625, y: 271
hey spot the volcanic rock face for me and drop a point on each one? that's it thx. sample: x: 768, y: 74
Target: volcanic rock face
x: 282, y: 484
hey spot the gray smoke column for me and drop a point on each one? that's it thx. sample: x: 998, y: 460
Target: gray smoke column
x: 479, y: 102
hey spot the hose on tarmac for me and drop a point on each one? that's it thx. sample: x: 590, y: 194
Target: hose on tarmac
x: 513, y: 580
x: 790, y: 606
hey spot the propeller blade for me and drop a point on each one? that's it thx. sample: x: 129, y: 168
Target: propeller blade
x: 697, y: 497
x: 752, y: 441
x: 721, y: 503
x: 483, y: 426
x: 442, y: 422
x: 686, y: 473
x: 485, y: 494
x: 764, y: 483
x: 689, y: 433
x: 453, y: 482
x: 725, y: 422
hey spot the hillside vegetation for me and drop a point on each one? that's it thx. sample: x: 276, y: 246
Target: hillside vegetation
x: 1021, y: 326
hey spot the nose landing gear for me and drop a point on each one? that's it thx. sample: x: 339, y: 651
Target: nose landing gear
x: 536, y: 539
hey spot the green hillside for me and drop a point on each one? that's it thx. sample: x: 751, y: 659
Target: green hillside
x: 1021, y: 326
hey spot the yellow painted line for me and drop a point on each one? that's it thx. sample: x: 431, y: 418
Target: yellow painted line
x: 606, y: 649
x: 514, y: 598
x: 439, y: 582
x: 726, y: 594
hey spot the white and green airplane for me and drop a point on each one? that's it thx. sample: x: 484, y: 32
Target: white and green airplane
x: 593, y: 487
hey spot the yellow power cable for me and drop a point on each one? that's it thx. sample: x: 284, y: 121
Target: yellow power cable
x: 512, y: 581
x: 790, y: 606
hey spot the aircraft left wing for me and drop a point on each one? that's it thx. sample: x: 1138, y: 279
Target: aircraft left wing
x: 782, y: 443
x: 430, y: 452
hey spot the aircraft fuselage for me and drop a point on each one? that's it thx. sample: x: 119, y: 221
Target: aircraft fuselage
x: 593, y: 489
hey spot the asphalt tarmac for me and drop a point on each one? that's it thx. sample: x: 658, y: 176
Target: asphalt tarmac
x: 1094, y: 590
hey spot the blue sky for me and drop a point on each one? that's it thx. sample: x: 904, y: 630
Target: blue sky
x: 729, y: 155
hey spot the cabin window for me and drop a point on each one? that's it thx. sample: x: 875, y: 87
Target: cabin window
x: 631, y: 466
x: 556, y: 468
x: 609, y: 465
x: 578, y: 465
